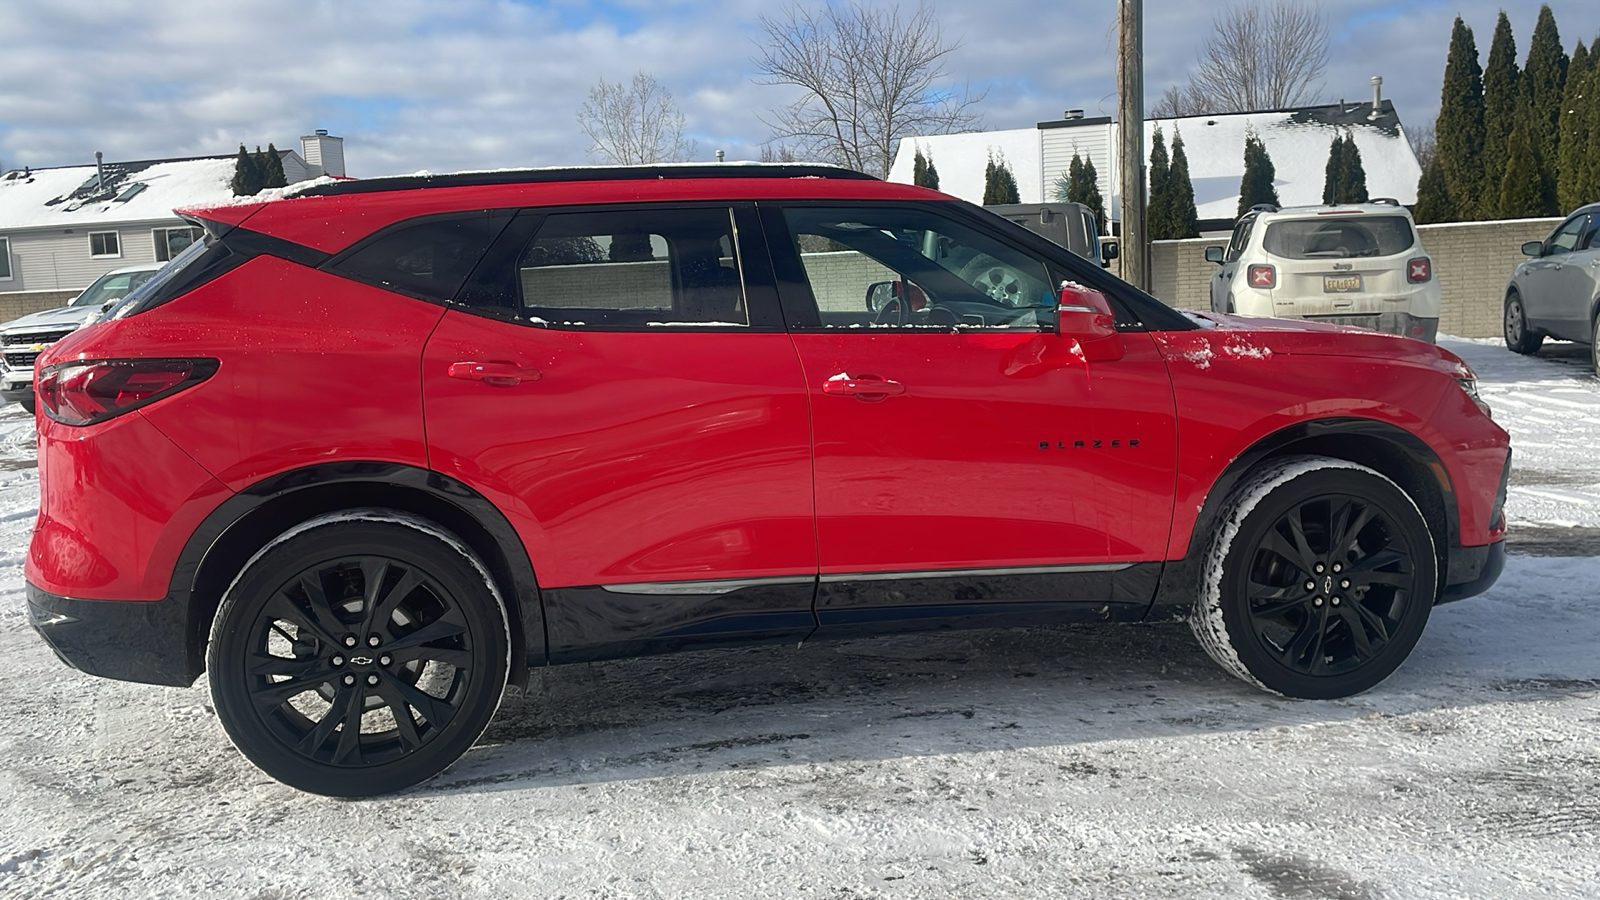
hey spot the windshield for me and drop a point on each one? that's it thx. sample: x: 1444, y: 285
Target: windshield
x: 112, y: 286
x: 1339, y: 237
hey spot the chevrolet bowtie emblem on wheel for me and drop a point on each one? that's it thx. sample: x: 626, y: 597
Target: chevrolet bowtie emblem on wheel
x: 1327, y: 588
x: 367, y: 660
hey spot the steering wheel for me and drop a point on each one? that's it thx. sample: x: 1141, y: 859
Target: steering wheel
x: 892, y: 312
x: 994, y: 279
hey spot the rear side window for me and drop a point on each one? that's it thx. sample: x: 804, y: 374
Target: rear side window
x: 1339, y: 237
x: 634, y: 269
x: 430, y: 258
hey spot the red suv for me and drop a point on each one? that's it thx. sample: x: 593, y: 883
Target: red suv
x: 366, y: 454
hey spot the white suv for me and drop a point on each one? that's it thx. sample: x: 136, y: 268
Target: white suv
x: 1360, y: 264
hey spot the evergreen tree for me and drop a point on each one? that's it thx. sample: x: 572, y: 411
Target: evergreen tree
x: 999, y: 185
x: 1459, y: 129
x: 1158, y: 211
x: 1180, y: 192
x: 931, y: 177
x: 272, y: 175
x: 919, y: 168
x: 1433, y: 195
x: 1352, y: 175
x: 1544, y: 81
x: 1589, y: 180
x: 1571, y: 191
x: 1522, y: 190
x: 246, y: 175
x: 1068, y: 183
x: 1330, y: 173
x: 1090, y: 196
x: 1501, y: 109
x: 1257, y: 184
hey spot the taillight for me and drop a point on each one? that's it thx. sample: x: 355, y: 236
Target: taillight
x: 1263, y: 277
x: 84, y: 393
x: 1419, y: 270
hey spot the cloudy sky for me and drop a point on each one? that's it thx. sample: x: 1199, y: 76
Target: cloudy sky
x: 444, y: 85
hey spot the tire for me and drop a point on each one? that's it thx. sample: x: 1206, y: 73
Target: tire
x: 1519, y: 337
x: 1594, y: 346
x: 1331, y: 612
x: 29, y: 403
x: 359, y: 653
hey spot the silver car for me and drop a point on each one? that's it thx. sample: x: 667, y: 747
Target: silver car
x: 1554, y: 293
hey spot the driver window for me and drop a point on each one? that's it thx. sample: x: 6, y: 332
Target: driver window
x: 908, y: 268
x: 1567, y: 237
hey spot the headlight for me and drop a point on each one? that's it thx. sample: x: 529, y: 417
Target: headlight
x: 1469, y: 384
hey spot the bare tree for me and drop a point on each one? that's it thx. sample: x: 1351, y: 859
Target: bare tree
x: 634, y: 123
x: 1424, y: 143
x: 869, y: 76
x: 1259, y: 56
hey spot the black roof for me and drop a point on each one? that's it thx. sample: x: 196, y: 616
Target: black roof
x: 590, y: 173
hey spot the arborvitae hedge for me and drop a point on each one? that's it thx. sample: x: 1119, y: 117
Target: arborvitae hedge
x: 1433, y: 195
x: 247, y: 174
x: 999, y: 185
x: 1522, y: 190
x: 1544, y: 81
x: 1185, y: 218
x: 1158, y: 212
x: 1501, y: 109
x: 1257, y: 184
x: 923, y: 174
x: 272, y: 168
x: 1460, y: 129
x: 1089, y: 195
x: 1571, y: 189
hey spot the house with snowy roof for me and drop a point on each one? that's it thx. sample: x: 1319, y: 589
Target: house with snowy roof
x: 1297, y: 139
x: 63, y: 227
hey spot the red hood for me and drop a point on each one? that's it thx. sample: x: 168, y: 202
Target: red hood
x: 1298, y: 337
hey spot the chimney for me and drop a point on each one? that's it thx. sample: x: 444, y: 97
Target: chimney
x: 1072, y: 114
x: 1377, y: 96
x: 99, y: 171
x: 719, y: 156
x: 324, y: 153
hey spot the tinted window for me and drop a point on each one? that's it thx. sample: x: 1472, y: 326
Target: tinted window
x: 891, y: 267
x: 428, y: 259
x: 1339, y: 237
x: 634, y: 269
x: 1566, y: 237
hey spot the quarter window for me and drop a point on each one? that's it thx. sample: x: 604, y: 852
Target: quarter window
x: 104, y: 243
x: 171, y: 241
x: 429, y: 258
x: 899, y: 267
x: 634, y: 269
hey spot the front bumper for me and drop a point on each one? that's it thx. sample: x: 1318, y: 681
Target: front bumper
x: 130, y: 640
x: 1473, y: 570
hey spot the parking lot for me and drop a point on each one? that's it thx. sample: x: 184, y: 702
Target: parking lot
x: 1075, y: 762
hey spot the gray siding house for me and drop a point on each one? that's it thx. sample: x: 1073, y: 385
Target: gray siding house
x: 63, y: 227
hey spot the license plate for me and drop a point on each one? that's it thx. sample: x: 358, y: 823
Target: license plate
x: 1341, y: 284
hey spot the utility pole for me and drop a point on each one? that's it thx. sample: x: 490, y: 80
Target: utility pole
x: 1135, y: 250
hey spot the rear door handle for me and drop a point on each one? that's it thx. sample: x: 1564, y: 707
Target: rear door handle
x: 499, y: 374
x: 864, y: 387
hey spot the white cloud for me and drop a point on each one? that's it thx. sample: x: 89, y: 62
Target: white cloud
x: 449, y: 84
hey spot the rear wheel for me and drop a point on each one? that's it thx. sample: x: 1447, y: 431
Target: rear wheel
x: 359, y: 654
x: 1520, y: 337
x: 1594, y: 346
x: 1319, y: 581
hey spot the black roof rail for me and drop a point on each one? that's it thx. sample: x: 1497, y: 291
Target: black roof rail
x: 585, y: 173
x: 1386, y: 201
x: 1264, y: 207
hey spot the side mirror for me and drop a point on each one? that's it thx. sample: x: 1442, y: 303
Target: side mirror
x: 1214, y: 255
x: 879, y: 293
x: 110, y: 303
x: 1085, y: 315
x: 1108, y: 251
x: 1533, y: 249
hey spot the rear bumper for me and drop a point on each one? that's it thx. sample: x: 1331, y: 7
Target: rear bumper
x: 130, y: 640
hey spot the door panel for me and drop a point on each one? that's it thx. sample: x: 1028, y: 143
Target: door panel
x: 1545, y: 280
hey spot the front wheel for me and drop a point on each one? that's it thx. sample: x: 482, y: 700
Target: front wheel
x: 1520, y: 336
x: 1318, y: 582
x: 359, y: 654
x: 1594, y: 346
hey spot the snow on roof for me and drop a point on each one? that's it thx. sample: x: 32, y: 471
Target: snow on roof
x: 131, y: 192
x: 1296, y: 139
x: 1298, y: 142
x: 962, y: 159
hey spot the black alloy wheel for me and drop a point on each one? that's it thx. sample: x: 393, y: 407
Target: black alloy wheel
x: 1520, y: 336
x: 359, y: 656
x: 1328, y: 580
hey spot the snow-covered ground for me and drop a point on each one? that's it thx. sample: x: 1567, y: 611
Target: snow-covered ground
x: 1080, y: 762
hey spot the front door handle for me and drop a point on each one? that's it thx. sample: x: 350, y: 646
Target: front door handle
x: 499, y: 374
x: 863, y: 387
